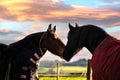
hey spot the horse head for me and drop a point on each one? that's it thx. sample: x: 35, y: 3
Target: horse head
x: 88, y: 36
x: 52, y: 42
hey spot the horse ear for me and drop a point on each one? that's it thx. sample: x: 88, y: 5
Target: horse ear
x: 76, y: 25
x: 54, y: 29
x: 71, y: 27
x: 49, y: 28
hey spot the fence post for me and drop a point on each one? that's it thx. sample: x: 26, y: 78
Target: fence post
x: 57, y: 70
x: 88, y: 69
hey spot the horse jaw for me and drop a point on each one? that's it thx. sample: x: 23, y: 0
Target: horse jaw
x: 76, y: 51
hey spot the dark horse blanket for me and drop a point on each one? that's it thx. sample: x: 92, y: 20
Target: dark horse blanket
x: 106, y: 60
x: 28, y: 58
x: 21, y: 62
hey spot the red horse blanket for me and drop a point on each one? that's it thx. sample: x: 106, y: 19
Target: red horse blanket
x: 106, y: 60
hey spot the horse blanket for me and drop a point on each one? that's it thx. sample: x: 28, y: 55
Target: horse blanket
x: 28, y: 58
x: 106, y: 60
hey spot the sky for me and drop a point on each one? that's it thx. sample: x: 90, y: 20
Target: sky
x: 19, y: 18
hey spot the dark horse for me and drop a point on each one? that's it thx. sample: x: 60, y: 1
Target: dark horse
x: 104, y: 48
x: 19, y: 59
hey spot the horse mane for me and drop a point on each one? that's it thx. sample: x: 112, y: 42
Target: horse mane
x: 90, y: 36
x: 29, y: 41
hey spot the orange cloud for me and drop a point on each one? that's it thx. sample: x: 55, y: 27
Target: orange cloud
x: 53, y: 11
x: 114, y: 24
x: 31, y: 10
x: 38, y: 27
x: 5, y: 31
x: 85, y: 12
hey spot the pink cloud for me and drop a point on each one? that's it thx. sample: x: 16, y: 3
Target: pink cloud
x: 38, y: 27
x: 9, y: 32
x: 57, y: 11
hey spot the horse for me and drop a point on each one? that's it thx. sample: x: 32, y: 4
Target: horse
x: 105, y: 50
x: 18, y: 60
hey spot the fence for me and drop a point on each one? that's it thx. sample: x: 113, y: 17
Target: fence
x: 89, y: 70
x: 58, y: 73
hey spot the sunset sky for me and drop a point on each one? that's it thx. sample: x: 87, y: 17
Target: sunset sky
x: 19, y: 18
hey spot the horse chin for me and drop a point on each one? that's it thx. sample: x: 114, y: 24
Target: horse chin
x: 66, y: 57
x: 70, y: 57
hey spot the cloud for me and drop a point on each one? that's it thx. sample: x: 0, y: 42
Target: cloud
x: 37, y: 27
x: 4, y: 41
x: 35, y: 10
x: 112, y: 7
x: 5, y: 15
x: 9, y: 32
x: 110, y: 1
x: 9, y: 36
x: 58, y: 11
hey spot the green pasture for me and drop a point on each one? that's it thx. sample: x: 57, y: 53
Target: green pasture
x: 64, y: 69
x: 72, y: 69
x: 43, y: 70
x: 62, y: 78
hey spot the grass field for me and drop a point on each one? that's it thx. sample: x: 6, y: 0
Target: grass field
x: 62, y: 78
x: 65, y: 69
x: 72, y: 69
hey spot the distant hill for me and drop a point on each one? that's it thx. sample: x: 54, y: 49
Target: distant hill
x: 48, y: 64
x: 81, y: 62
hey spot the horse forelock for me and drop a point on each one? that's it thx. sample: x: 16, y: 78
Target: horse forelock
x: 91, y: 36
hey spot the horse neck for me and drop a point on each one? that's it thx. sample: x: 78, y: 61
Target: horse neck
x: 94, y: 40
x: 24, y: 44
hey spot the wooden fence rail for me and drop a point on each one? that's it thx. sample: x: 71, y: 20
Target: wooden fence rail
x: 89, y: 70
